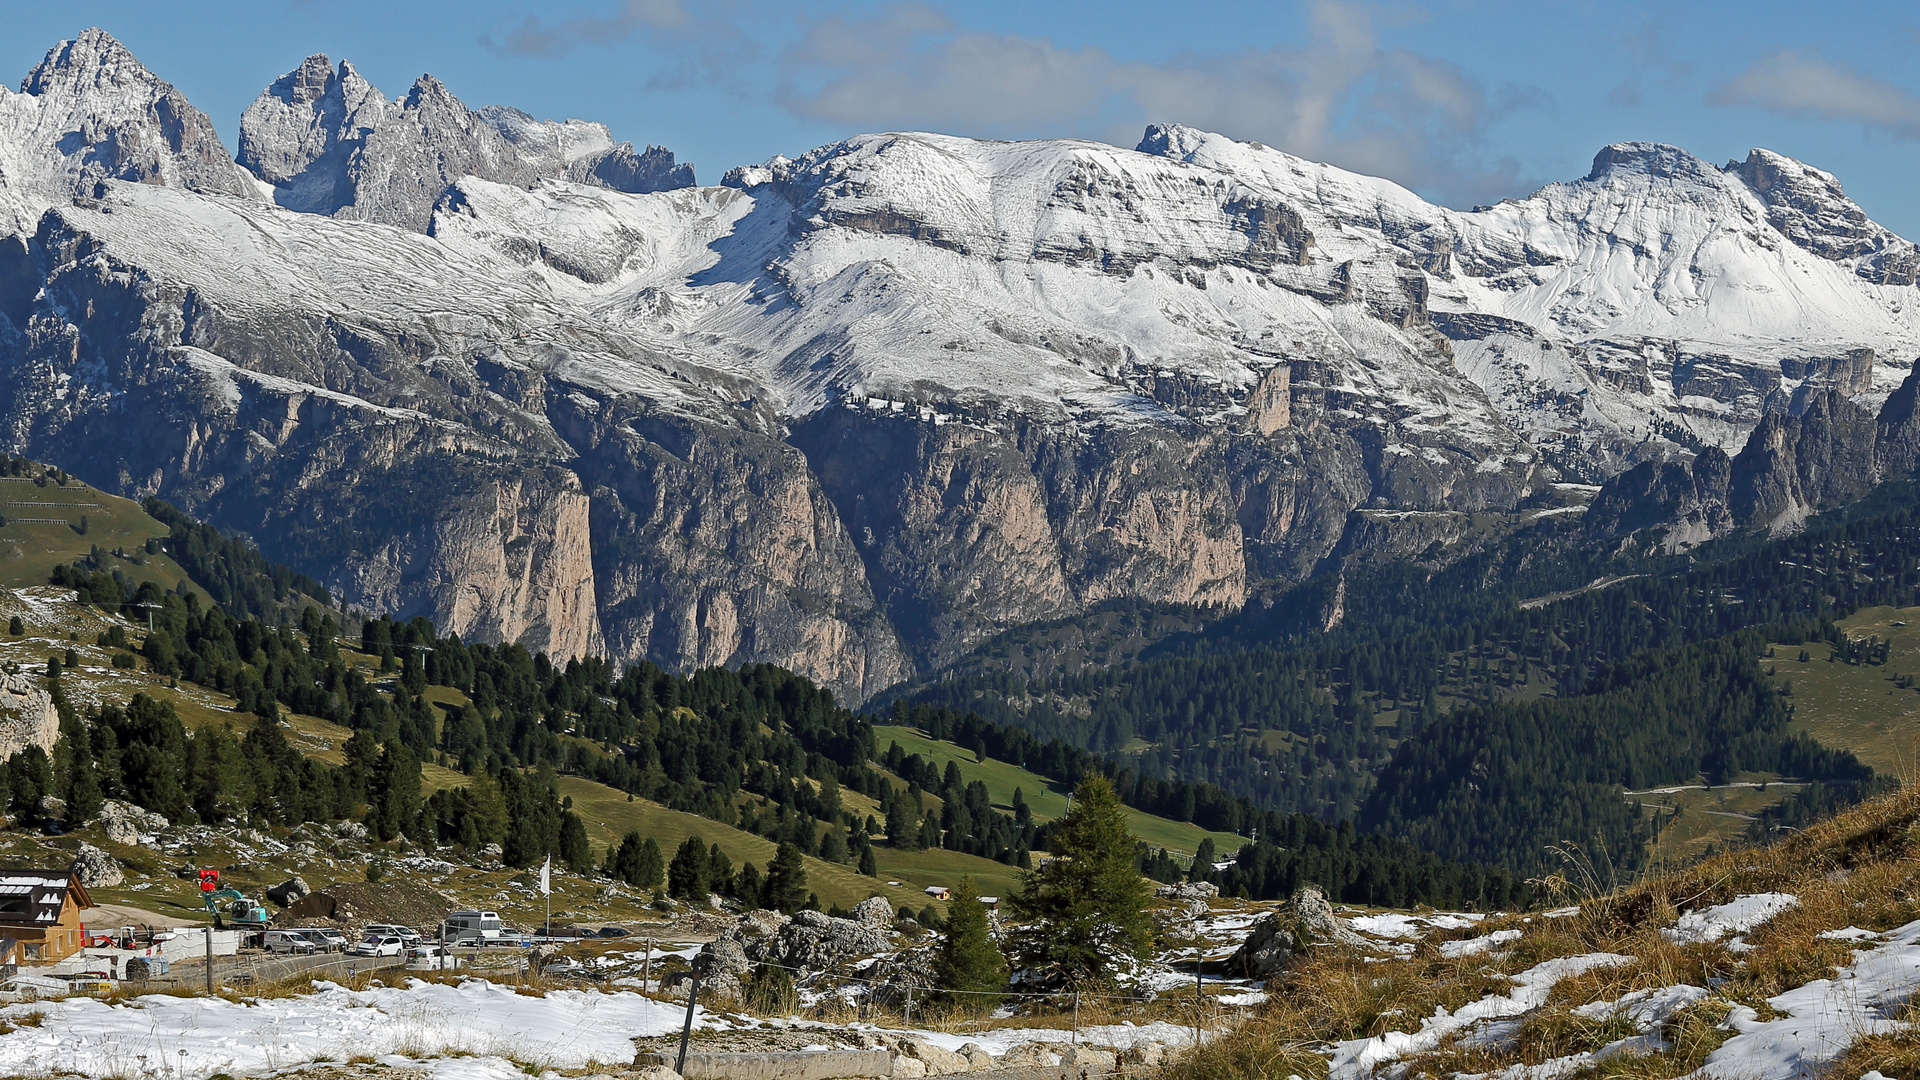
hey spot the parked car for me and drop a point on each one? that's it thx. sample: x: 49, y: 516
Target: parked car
x: 287, y: 941
x: 328, y: 940
x: 404, y: 933
x: 615, y: 931
x: 380, y: 946
x: 431, y: 956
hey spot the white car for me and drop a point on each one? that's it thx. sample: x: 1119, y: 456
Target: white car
x: 380, y: 946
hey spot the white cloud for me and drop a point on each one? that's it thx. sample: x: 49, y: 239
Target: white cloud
x: 1797, y: 85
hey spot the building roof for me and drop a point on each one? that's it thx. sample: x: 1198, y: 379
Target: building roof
x: 35, y: 897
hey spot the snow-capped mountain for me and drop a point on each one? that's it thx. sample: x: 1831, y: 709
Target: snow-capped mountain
x: 330, y: 143
x: 90, y: 112
x: 856, y: 411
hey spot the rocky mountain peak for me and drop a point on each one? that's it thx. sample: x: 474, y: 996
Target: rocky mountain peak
x: 91, y: 112
x: 93, y: 58
x: 1650, y: 159
x: 330, y: 143
x: 1810, y: 208
x: 1175, y: 141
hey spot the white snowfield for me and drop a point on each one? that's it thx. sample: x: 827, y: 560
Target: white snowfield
x: 1737, y: 916
x: 474, y: 1030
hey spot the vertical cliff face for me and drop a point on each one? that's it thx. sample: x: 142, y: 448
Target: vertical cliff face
x: 718, y: 547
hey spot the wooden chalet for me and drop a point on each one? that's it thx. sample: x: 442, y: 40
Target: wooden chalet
x: 40, y: 913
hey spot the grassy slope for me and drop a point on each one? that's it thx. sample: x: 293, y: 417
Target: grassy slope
x: 1047, y: 800
x: 30, y: 550
x: 1858, y: 707
x: 609, y: 815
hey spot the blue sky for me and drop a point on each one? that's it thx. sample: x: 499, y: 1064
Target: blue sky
x: 1466, y: 101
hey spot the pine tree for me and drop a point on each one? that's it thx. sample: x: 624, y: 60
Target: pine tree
x: 1204, y: 857
x: 719, y: 870
x: 786, y: 888
x: 903, y: 825
x: 868, y: 865
x: 969, y: 968
x: 623, y: 861
x: 1087, y: 906
x: 687, y: 874
x: 748, y: 886
x: 652, y: 866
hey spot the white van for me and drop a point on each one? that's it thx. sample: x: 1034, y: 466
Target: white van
x: 473, y: 927
x: 287, y: 941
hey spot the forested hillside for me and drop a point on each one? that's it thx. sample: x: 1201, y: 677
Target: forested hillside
x: 758, y: 749
x: 1427, y: 681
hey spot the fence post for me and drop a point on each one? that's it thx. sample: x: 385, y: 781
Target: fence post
x: 686, y: 1028
x: 1076, y: 1018
x: 1199, y: 995
x: 909, y: 1004
x: 209, y: 962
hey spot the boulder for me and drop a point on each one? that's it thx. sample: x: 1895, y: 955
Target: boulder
x: 974, y: 1053
x: 652, y: 1072
x: 97, y: 869
x: 874, y: 911
x: 492, y: 853
x: 1146, y: 1055
x: 809, y: 940
x: 938, y: 1062
x: 1089, y: 1061
x: 1026, y: 1055
x: 289, y: 891
x: 724, y: 956
x: 350, y: 830
x: 1303, y: 922
x: 909, y: 1067
x: 1186, y: 891
x: 53, y: 808
x: 125, y: 823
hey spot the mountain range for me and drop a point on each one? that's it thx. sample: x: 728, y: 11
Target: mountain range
x: 855, y: 412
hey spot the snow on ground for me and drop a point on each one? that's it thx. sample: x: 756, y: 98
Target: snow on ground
x: 203, y: 1036
x: 1823, y: 1017
x: 1396, y: 924
x: 1476, y: 946
x: 1356, y: 1058
x: 1735, y: 917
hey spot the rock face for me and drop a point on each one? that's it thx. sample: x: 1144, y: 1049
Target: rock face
x: 90, y: 112
x: 125, y: 823
x: 97, y: 869
x: 859, y: 412
x: 1304, y: 921
x: 1792, y: 467
x: 27, y: 716
x: 330, y: 143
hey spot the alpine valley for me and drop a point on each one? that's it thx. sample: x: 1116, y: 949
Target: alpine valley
x: 860, y: 412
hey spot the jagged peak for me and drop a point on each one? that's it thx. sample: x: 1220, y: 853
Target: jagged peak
x: 309, y: 82
x: 1649, y: 158
x: 93, y: 55
x: 1176, y: 141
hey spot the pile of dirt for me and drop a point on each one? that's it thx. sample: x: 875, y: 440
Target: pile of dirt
x: 352, y: 905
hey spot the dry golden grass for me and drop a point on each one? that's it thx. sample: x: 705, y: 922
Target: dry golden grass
x: 1861, y: 868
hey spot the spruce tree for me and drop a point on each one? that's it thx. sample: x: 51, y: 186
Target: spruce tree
x: 748, y: 886
x: 652, y: 868
x: 1087, y: 906
x: 868, y: 865
x: 719, y: 871
x: 969, y: 969
x: 903, y: 825
x: 786, y: 888
x: 687, y: 874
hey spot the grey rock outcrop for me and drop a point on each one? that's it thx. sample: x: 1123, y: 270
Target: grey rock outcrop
x: 1304, y: 921
x: 52, y: 807
x: 330, y: 143
x: 125, y: 823
x: 1792, y: 467
x: 27, y: 715
x: 97, y: 869
x: 289, y: 891
x: 875, y: 912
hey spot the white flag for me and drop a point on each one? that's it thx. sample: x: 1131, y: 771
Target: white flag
x: 546, y: 877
